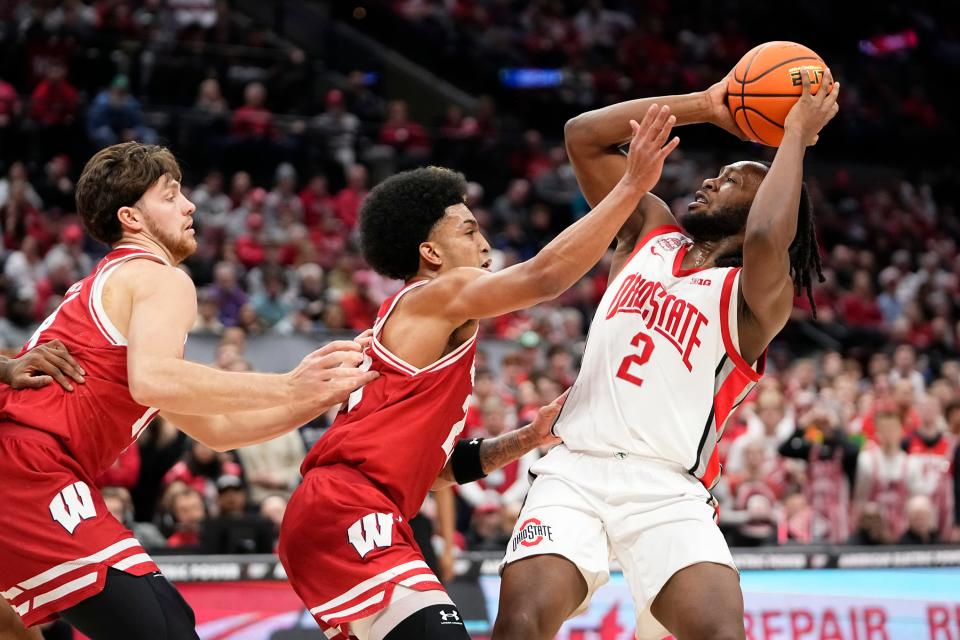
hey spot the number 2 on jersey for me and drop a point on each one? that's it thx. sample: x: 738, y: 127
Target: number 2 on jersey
x: 646, y: 349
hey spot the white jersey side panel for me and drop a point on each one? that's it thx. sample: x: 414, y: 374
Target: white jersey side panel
x: 661, y: 372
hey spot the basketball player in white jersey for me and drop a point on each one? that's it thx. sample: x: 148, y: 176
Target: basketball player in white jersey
x: 676, y: 344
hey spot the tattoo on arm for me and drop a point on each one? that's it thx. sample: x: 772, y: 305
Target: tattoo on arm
x: 504, y: 449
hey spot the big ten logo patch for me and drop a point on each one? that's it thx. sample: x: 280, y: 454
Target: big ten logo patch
x: 816, y: 74
x: 372, y: 531
x: 532, y: 532
x: 73, y: 505
x: 670, y: 244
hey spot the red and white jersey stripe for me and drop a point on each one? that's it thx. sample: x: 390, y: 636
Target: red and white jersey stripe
x: 662, y: 371
x: 42, y: 595
x: 366, y: 598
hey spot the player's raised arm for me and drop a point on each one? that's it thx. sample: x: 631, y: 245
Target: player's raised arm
x: 571, y: 254
x: 765, y: 283
x: 593, y: 142
x: 163, y: 307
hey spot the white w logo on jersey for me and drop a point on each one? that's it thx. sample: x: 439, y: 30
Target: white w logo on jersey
x: 371, y: 531
x: 73, y: 505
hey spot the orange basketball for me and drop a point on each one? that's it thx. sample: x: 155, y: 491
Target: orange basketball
x: 766, y: 83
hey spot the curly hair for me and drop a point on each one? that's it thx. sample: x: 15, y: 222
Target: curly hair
x: 399, y: 214
x: 117, y: 177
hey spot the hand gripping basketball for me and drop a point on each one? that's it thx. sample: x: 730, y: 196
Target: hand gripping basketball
x: 647, y: 149
x: 813, y: 110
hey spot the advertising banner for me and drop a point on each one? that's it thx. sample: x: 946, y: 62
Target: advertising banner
x: 810, y: 604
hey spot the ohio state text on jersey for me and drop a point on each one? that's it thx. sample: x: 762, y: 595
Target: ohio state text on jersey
x: 662, y: 370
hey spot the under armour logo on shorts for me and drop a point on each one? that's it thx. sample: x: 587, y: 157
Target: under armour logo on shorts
x: 447, y: 616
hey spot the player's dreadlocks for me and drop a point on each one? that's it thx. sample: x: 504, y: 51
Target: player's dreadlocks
x: 804, y: 251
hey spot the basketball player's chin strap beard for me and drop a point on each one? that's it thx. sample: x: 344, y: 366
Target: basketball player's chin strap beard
x: 473, y: 459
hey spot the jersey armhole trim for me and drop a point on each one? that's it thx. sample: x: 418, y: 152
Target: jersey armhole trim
x: 95, y: 303
x: 399, y: 363
x: 733, y: 350
x: 650, y: 235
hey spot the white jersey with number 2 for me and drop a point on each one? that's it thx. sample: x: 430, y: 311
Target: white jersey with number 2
x: 662, y: 370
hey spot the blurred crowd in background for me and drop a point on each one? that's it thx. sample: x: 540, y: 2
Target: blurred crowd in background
x: 852, y: 434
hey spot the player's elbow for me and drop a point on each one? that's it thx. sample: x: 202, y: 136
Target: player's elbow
x: 145, y: 391
x: 148, y: 387
x: 576, y: 131
x: 218, y: 443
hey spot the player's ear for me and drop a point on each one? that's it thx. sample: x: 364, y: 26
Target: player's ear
x: 131, y: 219
x: 429, y: 253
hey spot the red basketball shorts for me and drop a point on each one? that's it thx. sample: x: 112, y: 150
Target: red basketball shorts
x: 57, y: 538
x: 345, y: 547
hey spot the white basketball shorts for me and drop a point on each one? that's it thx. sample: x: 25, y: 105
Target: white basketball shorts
x: 650, y: 515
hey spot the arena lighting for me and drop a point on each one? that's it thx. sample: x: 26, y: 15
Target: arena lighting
x: 887, y: 44
x: 530, y: 78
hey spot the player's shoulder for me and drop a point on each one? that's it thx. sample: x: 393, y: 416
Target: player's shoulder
x: 147, y: 275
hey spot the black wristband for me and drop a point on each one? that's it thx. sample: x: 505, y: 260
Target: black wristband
x: 465, y: 461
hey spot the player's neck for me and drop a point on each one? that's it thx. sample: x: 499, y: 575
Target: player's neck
x: 705, y: 253
x: 423, y: 274
x: 147, y: 244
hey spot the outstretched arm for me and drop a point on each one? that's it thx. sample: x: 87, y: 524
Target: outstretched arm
x: 239, y: 429
x: 766, y: 287
x: 163, y: 307
x: 500, y: 451
x: 469, y: 294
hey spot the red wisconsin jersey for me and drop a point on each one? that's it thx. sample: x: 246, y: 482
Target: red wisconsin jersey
x: 399, y: 430
x: 98, y: 419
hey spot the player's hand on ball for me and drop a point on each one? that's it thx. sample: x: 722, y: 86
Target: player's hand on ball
x: 719, y: 111
x: 546, y: 416
x: 813, y: 110
x: 649, y: 148
x: 330, y: 374
x: 42, y: 365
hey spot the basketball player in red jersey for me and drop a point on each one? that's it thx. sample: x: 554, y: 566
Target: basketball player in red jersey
x: 677, y: 342
x: 345, y: 542
x: 36, y: 368
x: 126, y: 324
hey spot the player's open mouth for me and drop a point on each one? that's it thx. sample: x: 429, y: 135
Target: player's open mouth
x: 486, y: 264
x: 699, y: 200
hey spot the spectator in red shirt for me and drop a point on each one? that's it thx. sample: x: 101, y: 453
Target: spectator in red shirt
x: 903, y: 398
x: 356, y: 304
x: 54, y: 101
x: 253, y: 120
x: 188, y: 512
x: 250, y: 249
x: 860, y: 305
x: 346, y: 204
x: 407, y: 138
x: 199, y: 469
x: 9, y: 110
x: 316, y: 201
